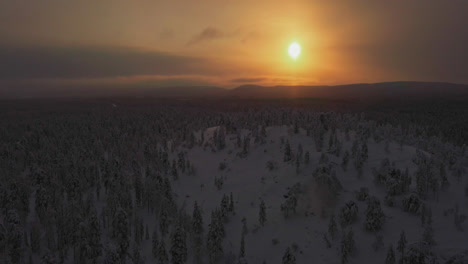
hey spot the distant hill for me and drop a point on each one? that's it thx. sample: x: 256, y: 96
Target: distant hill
x: 186, y: 91
x: 406, y: 90
x: 359, y: 92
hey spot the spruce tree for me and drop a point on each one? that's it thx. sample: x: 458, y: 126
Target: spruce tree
x: 14, y: 238
x: 162, y: 254
x: 347, y: 246
x: 197, y: 232
x: 344, y: 163
x: 94, y: 237
x: 121, y: 232
x: 298, y: 164
x: 390, y: 256
x: 350, y: 241
x: 136, y: 256
x: 179, y: 245
x: 246, y: 146
x: 155, y: 244
x: 364, y: 152
x: 423, y: 215
x: 300, y: 151
x: 244, y: 226
x: 138, y: 190
x: 146, y: 232
x: 242, y: 247
x: 163, y: 223
x: 174, y: 172
x: 47, y: 258
x: 136, y: 231
x: 428, y: 236
x: 197, y: 220
x: 287, y: 152
x: 111, y: 256
x: 402, y: 243
x: 344, y: 250
x: 375, y: 217
x: 214, y: 239
x: 262, y: 213
x: 231, y: 203
x: 224, y: 207
x: 307, y: 158
x: 288, y: 257
x: 332, y: 227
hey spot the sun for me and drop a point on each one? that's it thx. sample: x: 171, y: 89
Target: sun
x: 294, y: 50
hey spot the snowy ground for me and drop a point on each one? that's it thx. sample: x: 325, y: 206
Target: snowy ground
x: 243, y: 177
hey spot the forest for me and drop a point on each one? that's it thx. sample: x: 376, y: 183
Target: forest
x: 125, y: 180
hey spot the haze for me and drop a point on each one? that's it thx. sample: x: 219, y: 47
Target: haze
x: 126, y: 44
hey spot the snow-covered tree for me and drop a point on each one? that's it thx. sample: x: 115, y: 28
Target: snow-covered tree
x: 47, y: 258
x: 327, y: 241
x: 298, y: 164
x: 174, y: 172
x: 362, y: 194
x: 111, y: 256
x: 287, y: 152
x: 121, y: 232
x: 307, y: 158
x: 411, y: 204
x: 179, y: 246
x: 262, y: 213
x: 289, y: 206
x: 231, y: 203
x: 375, y: 217
x: 245, y: 230
x: 163, y: 258
x: 323, y: 158
x: 288, y: 257
x: 146, y: 232
x: 390, y: 259
x: 138, y: 190
x: 14, y: 242
x: 245, y: 146
x: 224, y: 207
x: 163, y: 223
x: 300, y: 152
x: 428, y: 236
x: 137, y: 258
x: 215, y: 237
x: 35, y: 237
x: 402, y: 243
x: 348, y: 213
x: 94, y: 237
x: 197, y: 221
x: 242, y: 247
x: 155, y: 243
x: 218, y: 182
x: 332, y: 227
x: 345, y: 161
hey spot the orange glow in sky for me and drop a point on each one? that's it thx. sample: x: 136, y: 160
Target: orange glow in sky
x: 229, y: 43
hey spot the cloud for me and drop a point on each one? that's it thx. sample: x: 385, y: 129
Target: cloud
x: 30, y: 62
x: 133, y: 85
x: 247, y: 80
x: 209, y: 33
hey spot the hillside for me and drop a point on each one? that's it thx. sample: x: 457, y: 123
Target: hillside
x: 188, y: 182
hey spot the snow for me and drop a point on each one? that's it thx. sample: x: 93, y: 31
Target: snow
x: 306, y: 228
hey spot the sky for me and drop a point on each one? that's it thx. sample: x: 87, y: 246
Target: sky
x: 227, y: 43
